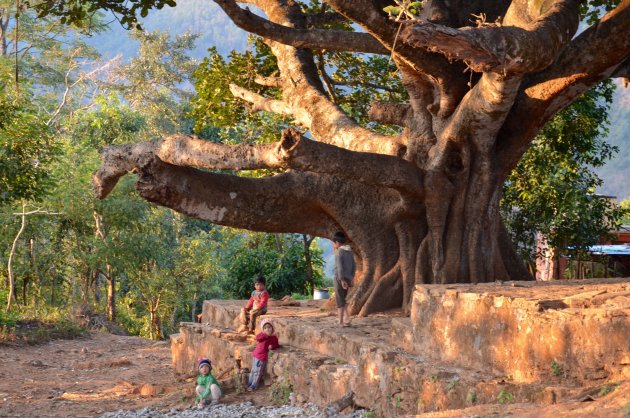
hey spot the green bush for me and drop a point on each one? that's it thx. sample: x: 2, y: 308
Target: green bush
x: 37, y: 327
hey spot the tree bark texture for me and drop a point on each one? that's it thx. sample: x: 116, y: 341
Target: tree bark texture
x: 419, y: 207
x: 11, y: 296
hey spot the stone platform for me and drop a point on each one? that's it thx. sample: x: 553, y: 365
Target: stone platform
x: 463, y: 345
x: 529, y: 331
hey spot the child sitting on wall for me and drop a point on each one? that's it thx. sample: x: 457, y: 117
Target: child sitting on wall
x: 256, y: 305
x: 207, y: 386
x: 265, y: 341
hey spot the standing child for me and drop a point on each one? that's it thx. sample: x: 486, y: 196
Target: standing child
x: 207, y: 386
x: 344, y: 274
x: 265, y: 341
x: 256, y: 306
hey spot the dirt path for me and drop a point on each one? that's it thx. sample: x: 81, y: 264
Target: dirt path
x: 90, y: 376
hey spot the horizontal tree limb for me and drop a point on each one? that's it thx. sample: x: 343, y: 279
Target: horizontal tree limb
x: 375, y: 169
x: 335, y: 40
x: 256, y: 204
x: 269, y: 81
x: 293, y: 151
x: 261, y: 103
x: 291, y: 202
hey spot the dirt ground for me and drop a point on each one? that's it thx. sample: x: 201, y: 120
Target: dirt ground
x: 90, y: 376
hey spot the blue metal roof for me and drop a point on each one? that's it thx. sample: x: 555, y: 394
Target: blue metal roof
x: 620, y: 249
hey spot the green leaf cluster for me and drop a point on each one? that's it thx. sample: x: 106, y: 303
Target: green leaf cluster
x: 591, y: 11
x: 279, y: 257
x: 26, y: 148
x: 218, y: 114
x: 404, y: 9
x: 553, y: 189
x: 78, y: 11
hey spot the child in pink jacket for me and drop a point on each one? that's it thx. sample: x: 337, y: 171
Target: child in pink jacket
x: 265, y: 341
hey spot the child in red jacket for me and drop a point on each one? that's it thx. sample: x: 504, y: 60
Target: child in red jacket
x: 256, y: 306
x: 265, y: 341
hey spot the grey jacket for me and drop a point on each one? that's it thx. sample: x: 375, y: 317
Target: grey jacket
x: 344, y: 265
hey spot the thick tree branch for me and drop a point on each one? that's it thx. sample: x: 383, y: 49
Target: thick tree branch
x: 261, y: 103
x: 420, y: 133
x: 390, y: 113
x: 253, y: 204
x: 510, y: 49
x: 591, y: 57
x: 293, y: 151
x: 374, y: 169
x: 269, y: 81
x: 185, y: 151
x: 459, y: 13
x: 314, y: 206
x: 335, y: 40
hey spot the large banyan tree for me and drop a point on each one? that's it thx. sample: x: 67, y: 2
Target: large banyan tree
x: 422, y: 206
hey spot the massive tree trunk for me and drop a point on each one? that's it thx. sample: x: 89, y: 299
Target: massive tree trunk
x: 420, y: 207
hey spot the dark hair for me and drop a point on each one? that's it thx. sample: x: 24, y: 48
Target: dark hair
x: 339, y: 237
x: 260, y: 279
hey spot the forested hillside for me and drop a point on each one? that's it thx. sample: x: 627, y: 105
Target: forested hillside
x: 616, y: 173
x: 202, y: 17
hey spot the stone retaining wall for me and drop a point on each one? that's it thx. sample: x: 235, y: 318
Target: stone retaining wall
x: 574, y: 330
x: 462, y: 345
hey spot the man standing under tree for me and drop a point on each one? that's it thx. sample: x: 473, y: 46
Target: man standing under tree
x: 344, y: 273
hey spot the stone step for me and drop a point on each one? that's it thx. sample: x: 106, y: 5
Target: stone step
x: 323, y: 361
x: 312, y: 328
x: 224, y: 347
x: 575, y: 331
